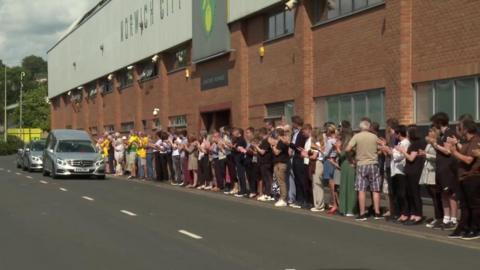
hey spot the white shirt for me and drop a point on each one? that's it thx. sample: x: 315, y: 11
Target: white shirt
x: 295, y: 134
x: 119, y: 146
x: 320, y: 153
x: 160, y: 146
x: 397, y: 164
x: 175, y: 151
x: 308, y: 146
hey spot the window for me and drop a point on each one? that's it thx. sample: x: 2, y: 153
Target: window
x: 178, y: 121
x: 125, y: 78
x: 109, y: 128
x: 277, y: 111
x: 360, y: 108
x: 354, y: 107
x: 454, y: 97
x: 280, y: 24
x: 465, y: 93
x: 444, y: 97
x: 145, y: 125
x: 156, y: 124
x: 181, y: 58
x: 149, y: 70
x: 177, y: 58
x: 325, y: 10
x: 76, y: 96
x: 92, y: 91
x: 127, y: 126
x: 107, y: 86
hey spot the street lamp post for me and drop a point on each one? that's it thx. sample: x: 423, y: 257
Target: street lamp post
x: 22, y: 75
x: 5, y: 106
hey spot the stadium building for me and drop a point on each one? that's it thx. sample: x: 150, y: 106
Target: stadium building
x: 201, y: 64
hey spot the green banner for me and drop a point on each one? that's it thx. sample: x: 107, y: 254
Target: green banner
x: 211, y: 35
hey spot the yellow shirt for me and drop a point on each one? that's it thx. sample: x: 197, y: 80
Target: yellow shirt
x: 105, y: 145
x: 131, y: 142
x: 141, y: 150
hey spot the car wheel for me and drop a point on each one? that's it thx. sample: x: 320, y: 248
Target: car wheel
x: 53, y: 173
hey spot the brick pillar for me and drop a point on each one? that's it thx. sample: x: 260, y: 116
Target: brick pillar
x: 243, y: 61
x: 75, y: 111
x: 100, y: 116
x: 138, y: 100
x: 304, y: 105
x: 53, y: 115
x: 163, y: 103
x: 398, y: 60
x: 117, y: 97
x: 86, y: 108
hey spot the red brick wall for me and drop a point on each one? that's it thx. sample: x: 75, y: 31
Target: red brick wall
x: 390, y: 46
x: 445, y: 39
x: 348, y: 54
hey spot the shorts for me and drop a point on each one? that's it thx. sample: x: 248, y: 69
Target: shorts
x: 142, y: 161
x: 328, y: 170
x: 131, y: 161
x: 368, y: 178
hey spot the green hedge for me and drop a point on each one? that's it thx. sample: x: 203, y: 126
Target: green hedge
x: 11, y: 146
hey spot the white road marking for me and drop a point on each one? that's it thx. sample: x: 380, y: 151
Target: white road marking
x: 63, y: 189
x: 128, y: 213
x: 1, y: 169
x: 44, y: 182
x: 88, y: 198
x: 18, y: 173
x: 9, y: 171
x: 29, y: 177
x: 189, y: 234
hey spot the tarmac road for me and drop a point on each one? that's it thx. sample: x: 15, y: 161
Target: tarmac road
x: 118, y: 224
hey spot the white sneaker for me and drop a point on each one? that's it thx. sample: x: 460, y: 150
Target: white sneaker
x: 270, y: 198
x: 314, y: 209
x: 280, y: 203
x: 201, y: 187
x: 208, y: 187
x: 294, y: 205
x: 261, y: 198
x: 349, y: 215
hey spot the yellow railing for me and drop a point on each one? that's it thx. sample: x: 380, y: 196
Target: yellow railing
x: 26, y: 134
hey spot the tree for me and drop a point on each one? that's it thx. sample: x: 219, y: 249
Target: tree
x: 35, y: 66
x: 36, y: 111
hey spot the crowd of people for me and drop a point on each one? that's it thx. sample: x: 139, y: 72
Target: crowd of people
x: 295, y: 164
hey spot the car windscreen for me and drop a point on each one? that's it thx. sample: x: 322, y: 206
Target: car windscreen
x: 75, y: 146
x: 37, y: 146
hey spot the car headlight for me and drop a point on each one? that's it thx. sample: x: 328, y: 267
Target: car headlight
x: 61, y: 162
x: 36, y: 159
x: 99, y: 162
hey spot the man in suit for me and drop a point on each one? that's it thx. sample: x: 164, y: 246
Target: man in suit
x: 298, y: 166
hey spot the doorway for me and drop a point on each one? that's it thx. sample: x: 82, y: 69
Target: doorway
x: 215, y: 120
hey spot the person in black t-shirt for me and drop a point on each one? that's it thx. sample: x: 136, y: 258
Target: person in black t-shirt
x: 239, y: 151
x: 251, y: 162
x: 280, y: 159
x: 413, y: 172
x: 446, y: 170
x: 265, y: 162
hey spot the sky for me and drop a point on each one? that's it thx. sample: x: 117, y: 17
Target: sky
x: 33, y: 26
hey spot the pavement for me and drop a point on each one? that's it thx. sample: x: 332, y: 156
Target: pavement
x: 120, y: 224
